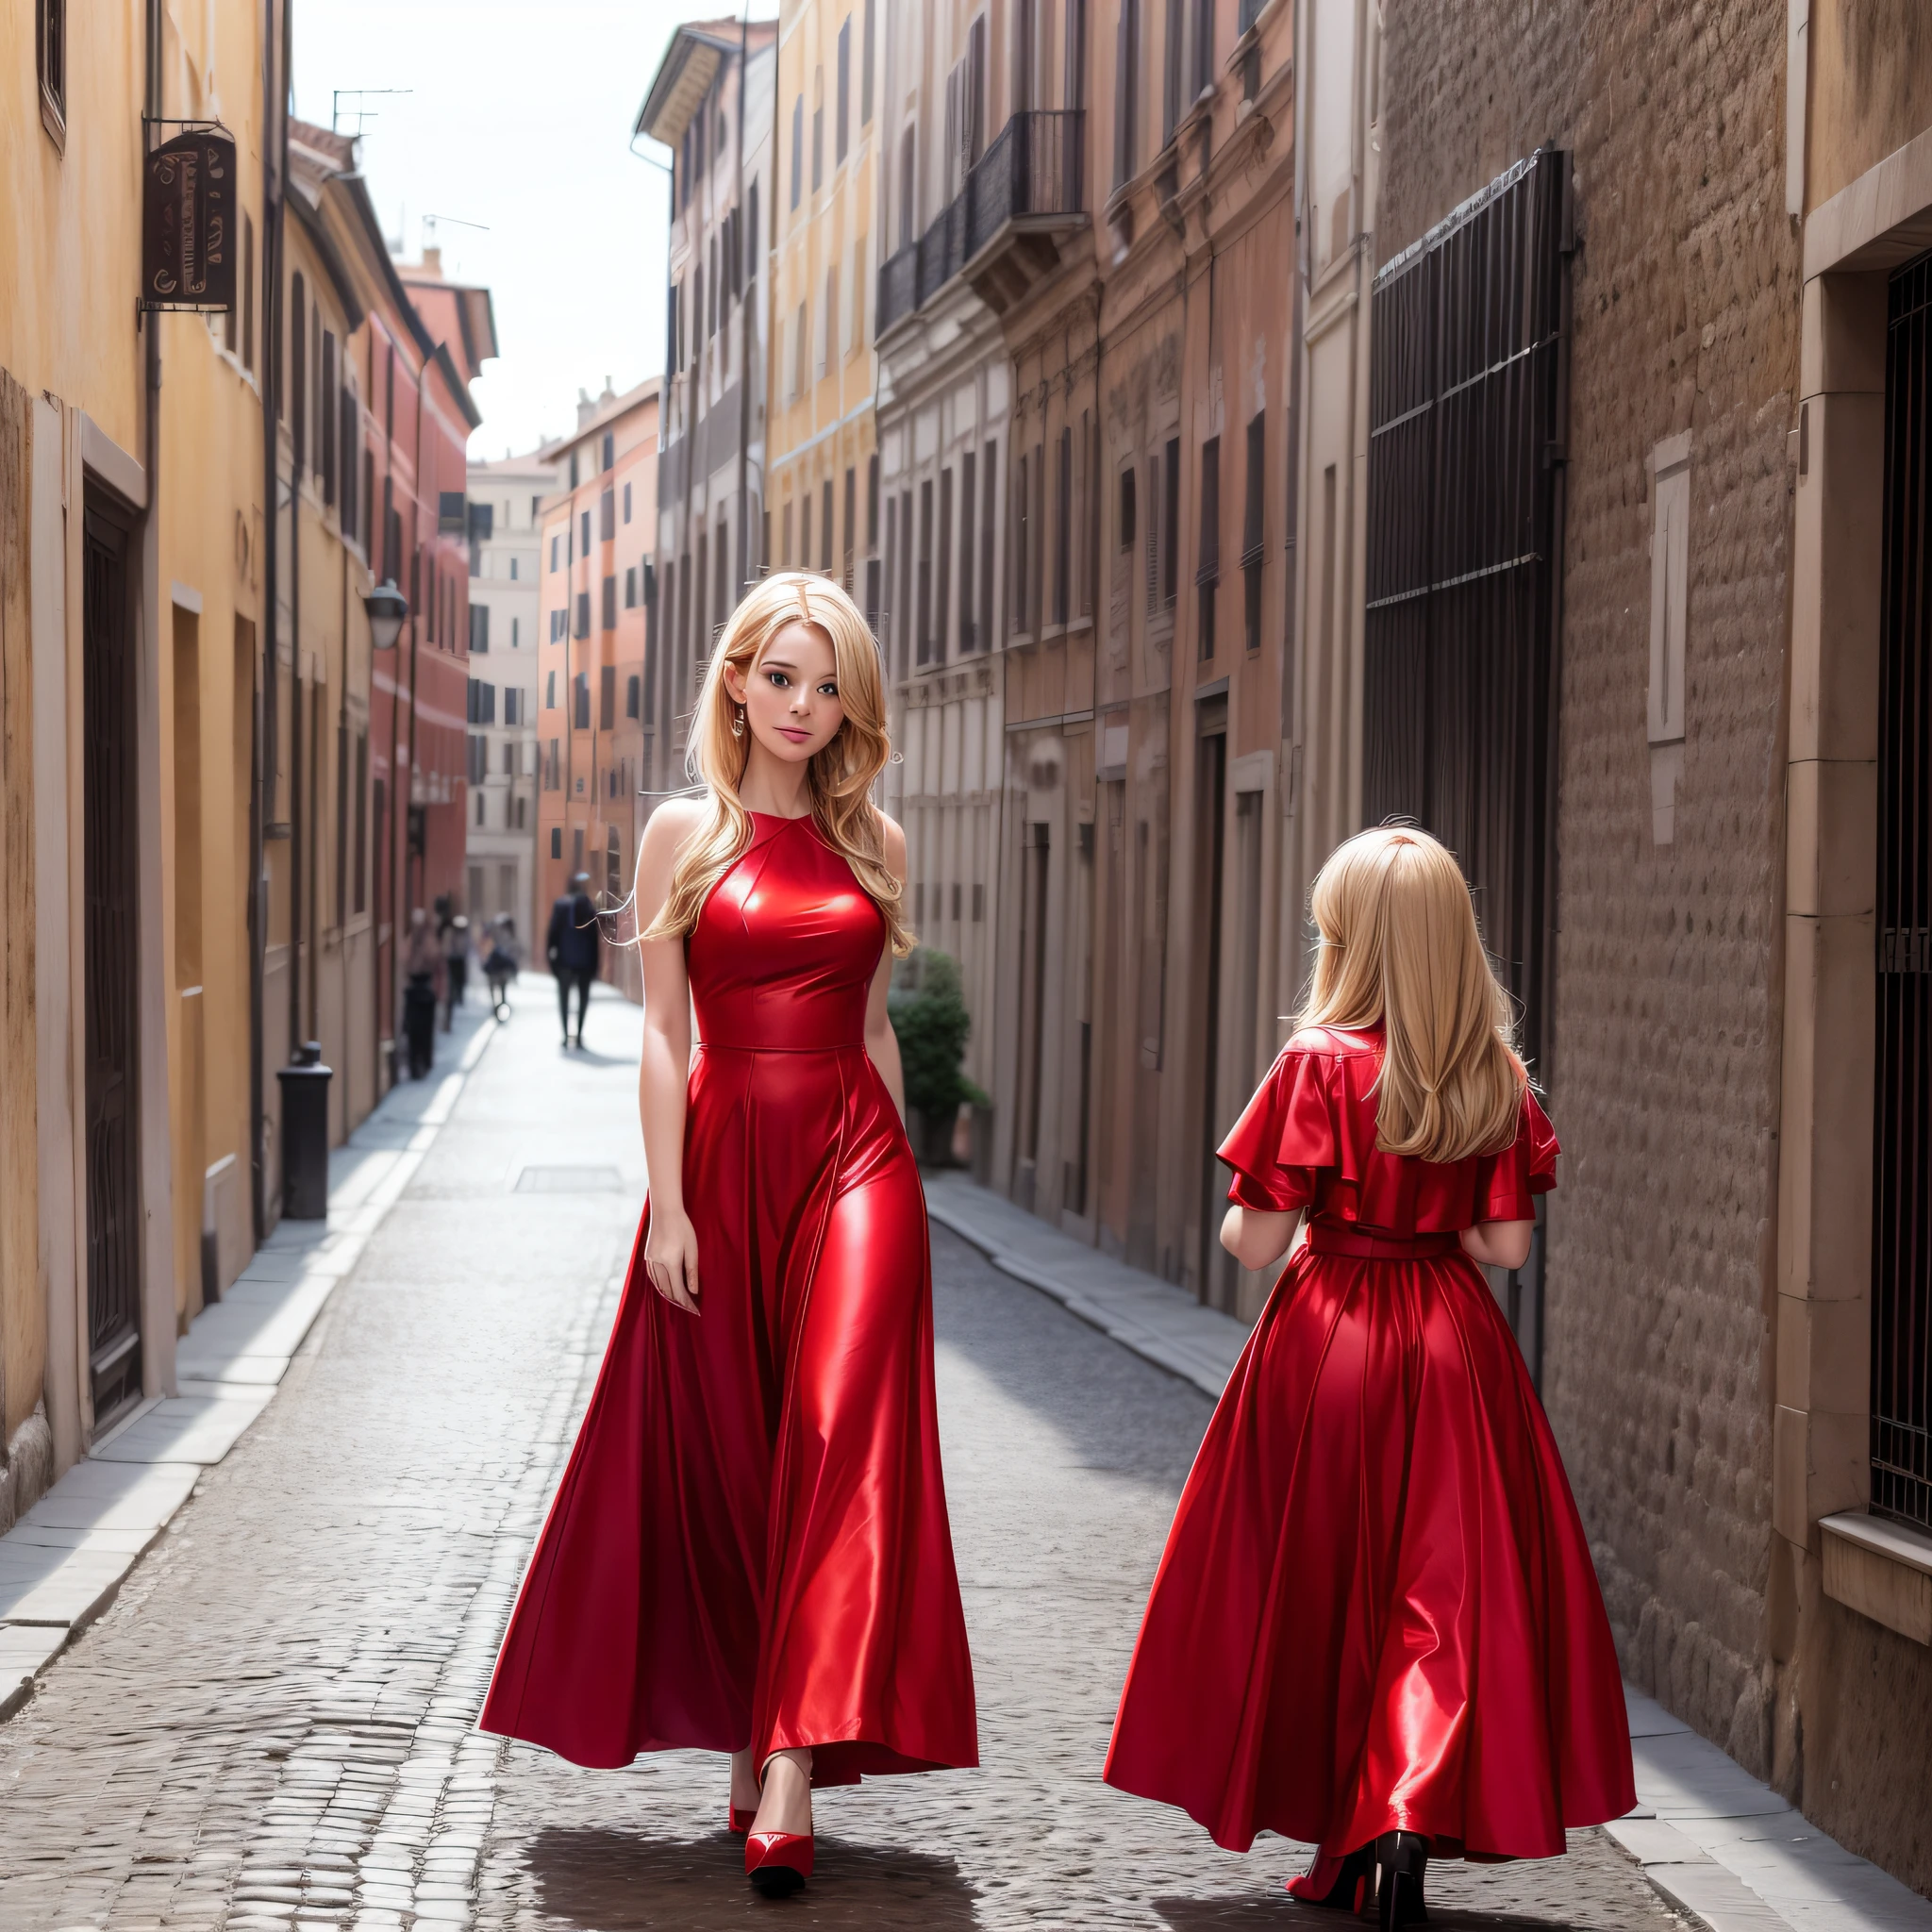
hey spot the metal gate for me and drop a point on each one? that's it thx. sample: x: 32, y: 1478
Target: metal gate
x: 1467, y: 401
x: 1901, y: 1193
x: 110, y: 938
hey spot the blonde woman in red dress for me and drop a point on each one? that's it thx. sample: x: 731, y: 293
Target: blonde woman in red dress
x: 749, y: 1551
x: 1377, y: 1627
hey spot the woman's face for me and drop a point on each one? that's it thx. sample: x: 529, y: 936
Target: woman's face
x: 791, y: 695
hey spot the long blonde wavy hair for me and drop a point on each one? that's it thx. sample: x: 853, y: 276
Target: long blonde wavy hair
x: 840, y: 777
x: 1399, y: 945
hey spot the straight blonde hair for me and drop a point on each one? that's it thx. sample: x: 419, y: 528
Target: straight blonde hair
x: 840, y: 777
x: 1400, y: 946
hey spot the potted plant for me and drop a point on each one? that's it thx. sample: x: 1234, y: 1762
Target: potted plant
x: 929, y: 1014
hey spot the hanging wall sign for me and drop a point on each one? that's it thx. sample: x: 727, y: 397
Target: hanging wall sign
x: 189, y: 215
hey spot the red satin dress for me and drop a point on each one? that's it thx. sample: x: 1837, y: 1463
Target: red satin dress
x: 750, y: 1544
x: 1376, y: 1610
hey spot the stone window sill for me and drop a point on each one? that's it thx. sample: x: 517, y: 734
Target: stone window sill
x: 1882, y: 1570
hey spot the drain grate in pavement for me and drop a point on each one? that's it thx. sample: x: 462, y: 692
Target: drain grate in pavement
x: 570, y: 1180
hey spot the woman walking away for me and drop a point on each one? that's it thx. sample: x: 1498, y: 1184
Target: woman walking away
x: 749, y: 1552
x: 1375, y: 1626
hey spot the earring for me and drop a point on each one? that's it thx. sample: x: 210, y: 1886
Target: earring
x: 738, y: 723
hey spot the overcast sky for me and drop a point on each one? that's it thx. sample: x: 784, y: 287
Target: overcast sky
x: 517, y: 119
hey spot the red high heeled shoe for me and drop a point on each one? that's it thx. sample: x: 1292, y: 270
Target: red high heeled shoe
x: 777, y: 1862
x: 738, y: 1821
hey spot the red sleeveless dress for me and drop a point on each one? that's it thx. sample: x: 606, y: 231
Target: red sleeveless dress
x: 1376, y: 1610
x: 750, y: 1544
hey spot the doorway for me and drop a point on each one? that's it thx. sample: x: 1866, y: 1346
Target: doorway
x: 111, y: 943
x: 1216, y: 1280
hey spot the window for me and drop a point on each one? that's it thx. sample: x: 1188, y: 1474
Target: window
x: 607, y: 698
x: 512, y: 708
x: 516, y: 624
x: 828, y: 324
x: 513, y: 569
x: 50, y: 58
x: 967, y: 503
x: 609, y: 611
x: 580, y: 705
x: 904, y: 620
x: 785, y: 538
x: 943, y: 596
x: 556, y: 837
x: 609, y: 451
x: 1127, y: 510
x: 627, y: 508
x: 751, y: 238
x: 841, y: 126
x: 818, y: 129
x: 1251, y: 536
x: 799, y: 348
x: 479, y: 631
x: 1021, y: 534
x: 908, y: 169
x: 478, y: 749
x: 925, y: 607
x: 804, y: 530
x: 633, y: 692
x: 851, y: 523
x: 865, y: 71
x: 1207, y: 572
x: 988, y: 517
x: 583, y: 622
x: 556, y: 545
x: 798, y: 148
x: 1172, y: 76
x: 550, y: 692
x: 584, y: 547
x: 298, y: 373
x: 1170, y: 521
x: 1126, y: 90
x: 360, y: 862
x: 871, y: 502
x: 1074, y: 67
x: 1063, y: 527
x: 630, y: 589
x: 825, y: 538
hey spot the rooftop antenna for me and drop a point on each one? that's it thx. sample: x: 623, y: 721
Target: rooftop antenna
x: 363, y: 115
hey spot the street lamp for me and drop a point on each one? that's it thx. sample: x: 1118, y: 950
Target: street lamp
x: 389, y: 611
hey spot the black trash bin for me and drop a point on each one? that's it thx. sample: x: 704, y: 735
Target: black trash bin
x: 305, y: 1135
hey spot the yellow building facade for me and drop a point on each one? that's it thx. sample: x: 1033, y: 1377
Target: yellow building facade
x: 132, y: 473
x: 822, y: 500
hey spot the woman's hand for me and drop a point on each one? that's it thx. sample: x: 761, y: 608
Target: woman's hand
x: 670, y: 1257
x: 1498, y: 1244
x: 1255, y: 1239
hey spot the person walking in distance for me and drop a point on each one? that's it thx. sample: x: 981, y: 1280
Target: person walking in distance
x: 456, y: 966
x: 422, y: 962
x: 1376, y: 1626
x: 749, y: 1551
x: 572, y: 945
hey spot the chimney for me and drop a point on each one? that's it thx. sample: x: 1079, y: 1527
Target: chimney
x: 586, y: 408
x: 432, y: 262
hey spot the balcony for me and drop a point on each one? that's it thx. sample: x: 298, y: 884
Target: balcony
x: 1001, y: 231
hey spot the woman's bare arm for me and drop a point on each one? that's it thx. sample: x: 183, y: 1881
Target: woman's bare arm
x: 1255, y: 1239
x: 1498, y: 1244
x: 881, y: 1043
x: 670, y: 1250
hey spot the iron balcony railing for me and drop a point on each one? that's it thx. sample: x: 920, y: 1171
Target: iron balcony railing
x: 1033, y: 167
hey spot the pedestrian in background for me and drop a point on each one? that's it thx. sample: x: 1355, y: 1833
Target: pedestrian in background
x: 1376, y: 1626
x: 500, y: 968
x: 455, y: 967
x: 423, y: 960
x: 573, y: 945
x: 749, y: 1552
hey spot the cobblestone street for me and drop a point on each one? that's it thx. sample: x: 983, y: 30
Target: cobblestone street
x: 273, y: 1723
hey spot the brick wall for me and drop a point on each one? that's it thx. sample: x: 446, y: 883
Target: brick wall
x: 1665, y: 1062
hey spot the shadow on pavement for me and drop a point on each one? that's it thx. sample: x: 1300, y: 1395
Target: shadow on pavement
x: 599, y: 1880
x: 1214, y: 1915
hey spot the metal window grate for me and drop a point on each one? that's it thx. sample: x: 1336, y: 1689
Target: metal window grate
x: 1901, y: 1193
x: 1466, y: 408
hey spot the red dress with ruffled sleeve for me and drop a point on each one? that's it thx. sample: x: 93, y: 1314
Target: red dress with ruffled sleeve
x: 1376, y: 1610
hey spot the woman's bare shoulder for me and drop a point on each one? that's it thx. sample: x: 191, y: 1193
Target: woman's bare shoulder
x: 674, y: 822
x: 894, y: 835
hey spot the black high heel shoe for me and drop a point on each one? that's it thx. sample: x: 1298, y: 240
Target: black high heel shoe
x: 1403, y: 1856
